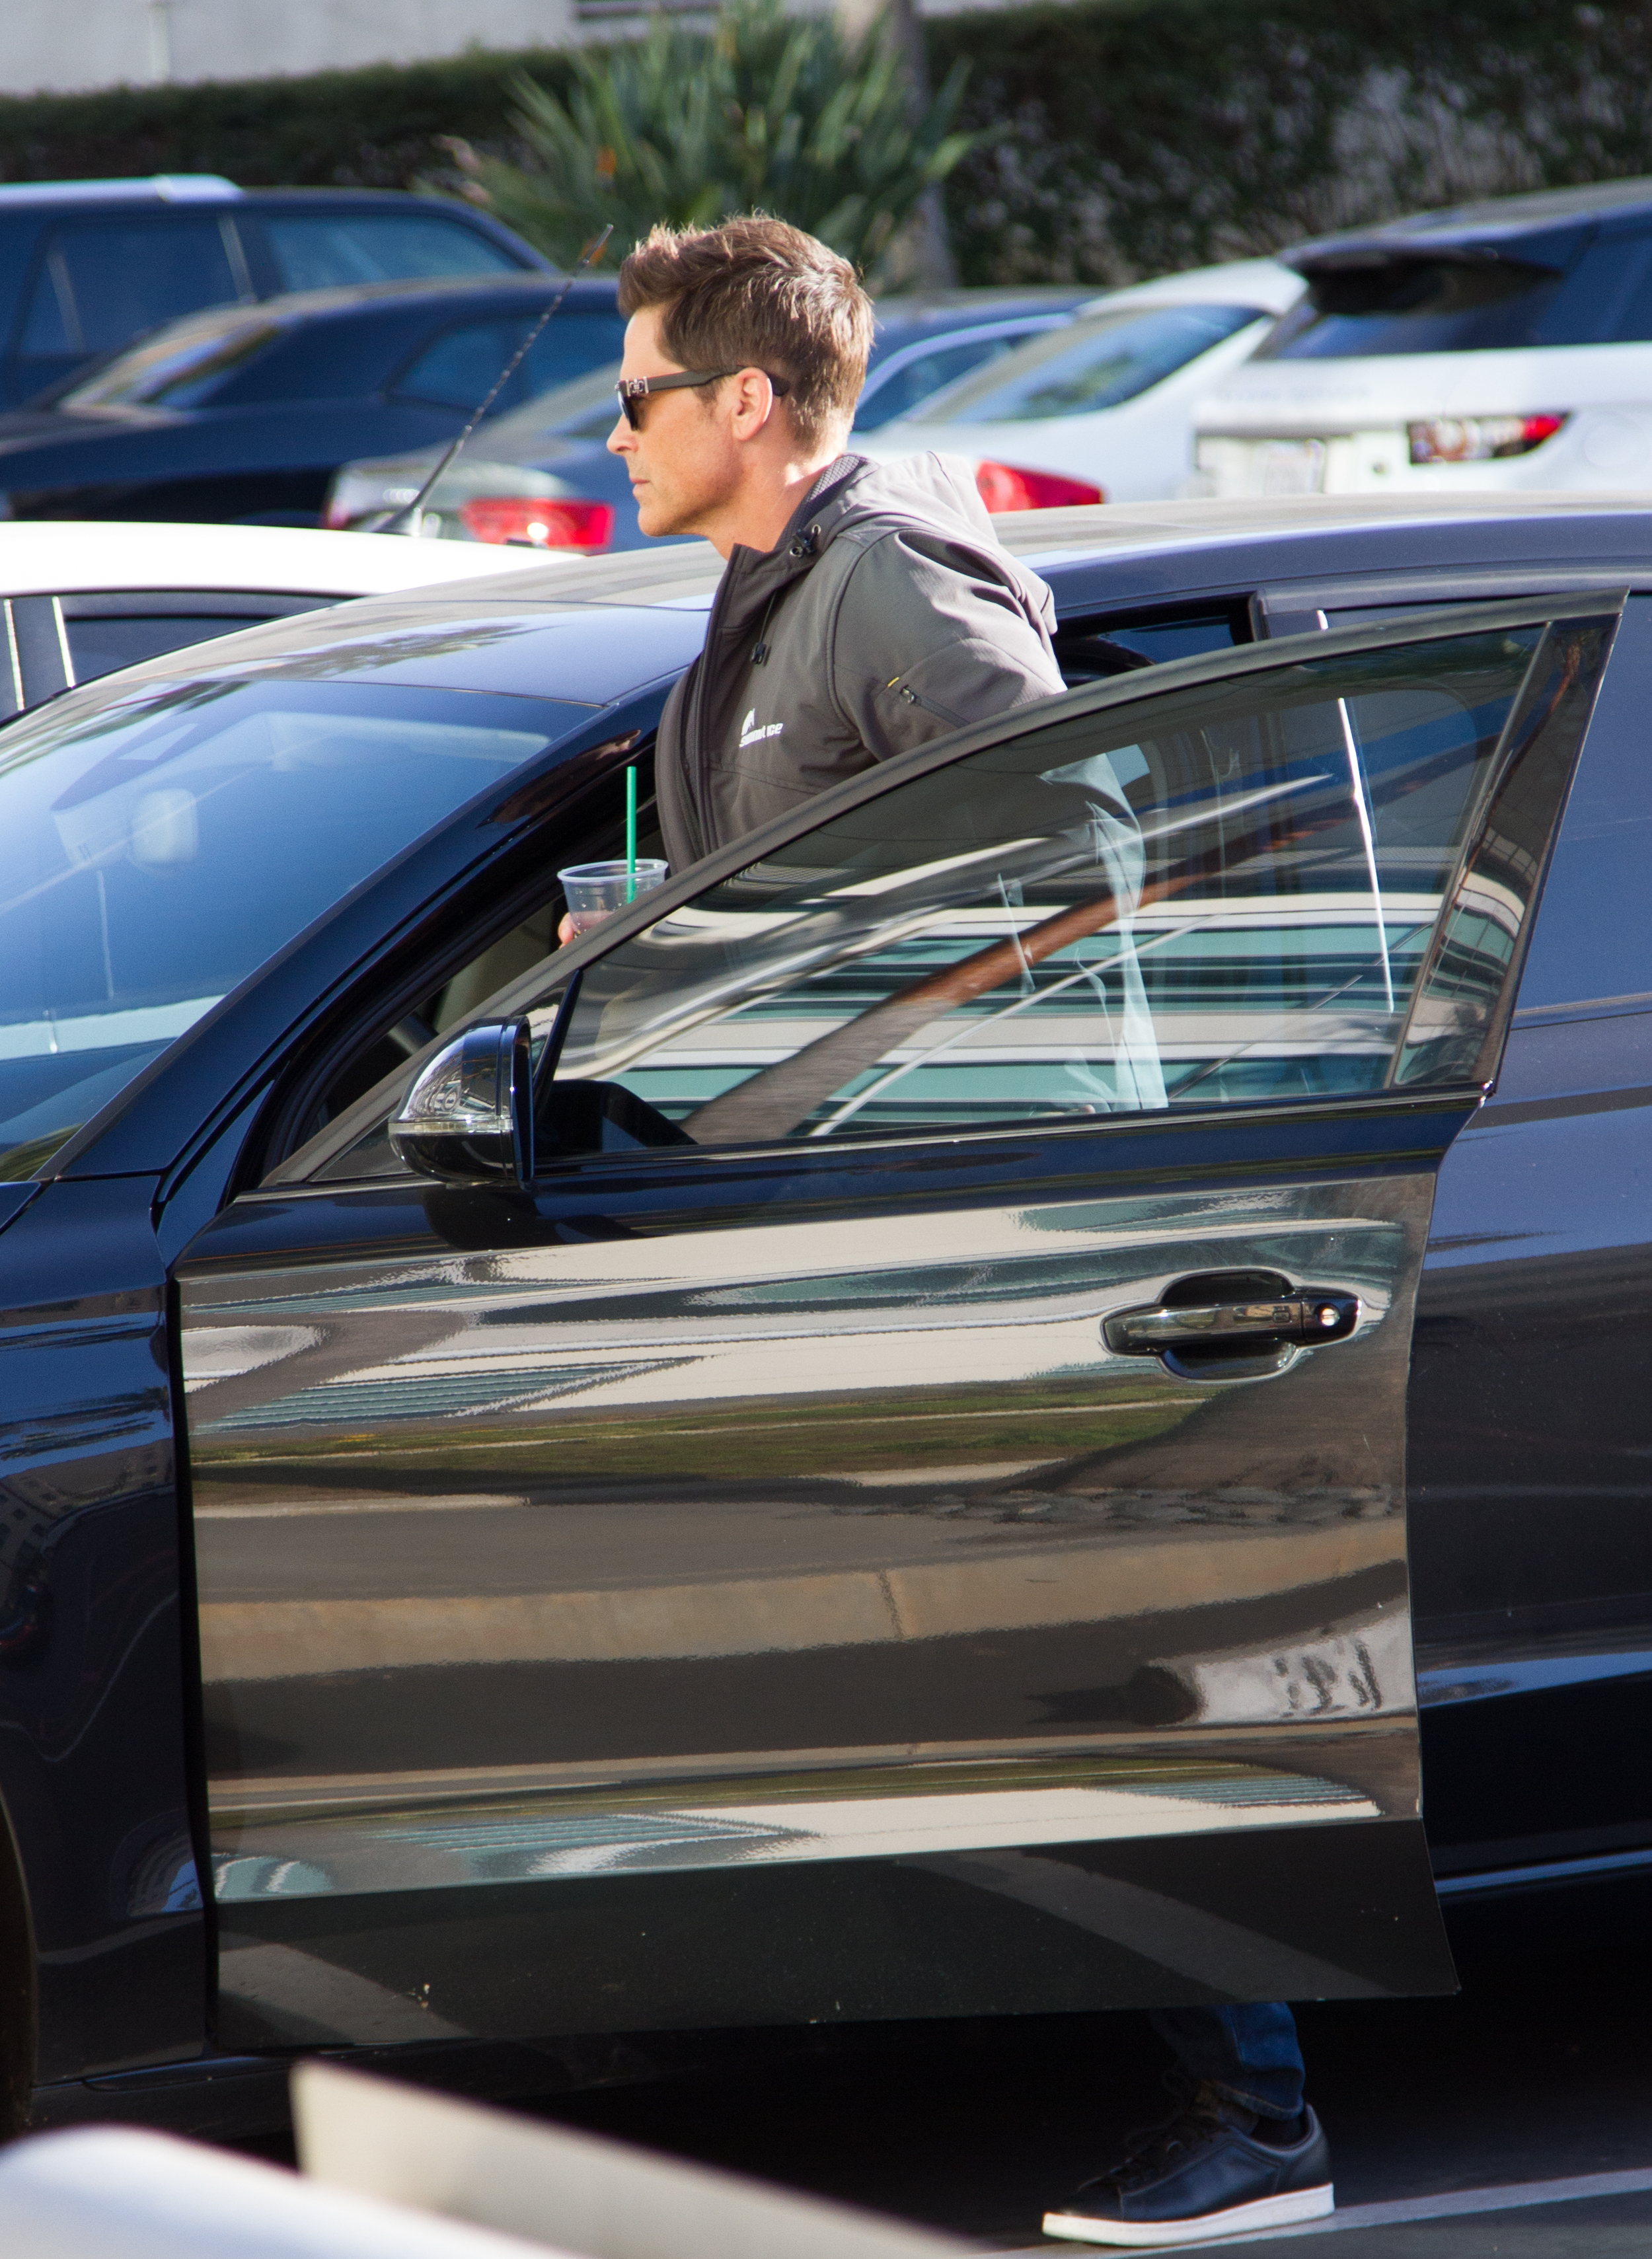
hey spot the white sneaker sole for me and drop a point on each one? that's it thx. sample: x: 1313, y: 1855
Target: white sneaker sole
x: 1288, y: 2211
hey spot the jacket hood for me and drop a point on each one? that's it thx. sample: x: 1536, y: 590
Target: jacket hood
x: 935, y: 492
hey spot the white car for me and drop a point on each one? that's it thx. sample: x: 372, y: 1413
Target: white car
x: 1101, y: 409
x: 80, y: 599
x: 1505, y: 345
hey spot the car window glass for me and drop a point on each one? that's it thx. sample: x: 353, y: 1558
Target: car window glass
x: 1089, y: 649
x: 911, y: 381
x: 461, y: 367
x: 1224, y: 895
x: 181, y: 369
x: 1089, y: 365
x: 1624, y: 268
x: 101, y: 284
x: 1569, y: 291
x: 49, y: 330
x: 99, y: 645
x: 318, y: 251
x: 1592, y: 945
x: 156, y: 848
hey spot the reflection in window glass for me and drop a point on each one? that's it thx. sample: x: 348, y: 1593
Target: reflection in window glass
x: 318, y: 251
x: 1211, y: 896
x: 1088, y: 366
x: 179, y: 369
x: 156, y: 848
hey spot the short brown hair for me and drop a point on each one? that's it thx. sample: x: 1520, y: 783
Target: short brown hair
x: 756, y: 294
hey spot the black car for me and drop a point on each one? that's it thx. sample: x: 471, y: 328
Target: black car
x: 244, y: 415
x: 87, y: 266
x: 876, y: 1437
x: 543, y: 475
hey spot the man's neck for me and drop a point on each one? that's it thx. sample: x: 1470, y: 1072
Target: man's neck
x: 756, y: 517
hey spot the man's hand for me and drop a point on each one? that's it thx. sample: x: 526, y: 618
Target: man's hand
x: 565, y: 931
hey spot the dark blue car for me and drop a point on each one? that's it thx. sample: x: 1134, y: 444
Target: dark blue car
x: 898, y: 1431
x: 244, y: 414
x: 87, y: 266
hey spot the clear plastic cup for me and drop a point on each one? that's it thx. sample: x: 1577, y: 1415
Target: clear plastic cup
x: 596, y: 890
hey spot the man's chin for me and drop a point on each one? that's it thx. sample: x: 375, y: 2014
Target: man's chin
x: 651, y: 517
x: 656, y: 518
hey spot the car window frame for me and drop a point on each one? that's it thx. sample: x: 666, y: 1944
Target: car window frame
x: 1120, y: 691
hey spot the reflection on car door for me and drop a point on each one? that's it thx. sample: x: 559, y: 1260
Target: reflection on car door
x: 906, y: 1514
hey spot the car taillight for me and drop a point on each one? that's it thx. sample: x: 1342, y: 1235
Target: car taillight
x: 543, y: 523
x: 1002, y: 487
x: 1478, y: 438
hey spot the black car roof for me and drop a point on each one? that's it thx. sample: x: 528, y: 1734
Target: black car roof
x: 1151, y: 554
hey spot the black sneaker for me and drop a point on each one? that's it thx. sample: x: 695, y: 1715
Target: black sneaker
x: 1215, y: 2170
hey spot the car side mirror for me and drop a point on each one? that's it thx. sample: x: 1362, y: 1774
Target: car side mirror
x: 469, y: 1115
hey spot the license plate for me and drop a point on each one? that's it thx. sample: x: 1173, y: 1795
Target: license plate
x: 1291, y: 466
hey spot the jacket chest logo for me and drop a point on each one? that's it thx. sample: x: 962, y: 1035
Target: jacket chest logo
x: 751, y: 731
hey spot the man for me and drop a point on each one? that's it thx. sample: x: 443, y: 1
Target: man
x: 866, y: 609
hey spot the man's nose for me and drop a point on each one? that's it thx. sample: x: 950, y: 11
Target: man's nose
x: 622, y: 438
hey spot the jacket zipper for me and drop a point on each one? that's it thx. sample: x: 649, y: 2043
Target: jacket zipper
x: 912, y: 697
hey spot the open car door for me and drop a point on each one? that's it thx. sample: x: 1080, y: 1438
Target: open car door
x: 872, y: 1482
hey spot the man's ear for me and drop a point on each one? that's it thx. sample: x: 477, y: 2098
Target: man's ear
x: 755, y: 404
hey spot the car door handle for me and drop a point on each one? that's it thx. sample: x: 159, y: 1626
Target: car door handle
x: 1303, y: 1315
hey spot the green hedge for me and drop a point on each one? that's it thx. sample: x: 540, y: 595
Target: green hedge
x: 373, y: 129
x: 1144, y: 134
x: 1153, y: 134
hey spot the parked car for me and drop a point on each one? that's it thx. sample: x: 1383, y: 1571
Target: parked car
x: 79, y: 602
x: 1102, y: 411
x: 876, y: 1437
x: 1504, y: 345
x: 243, y: 414
x: 543, y: 476
x: 87, y: 266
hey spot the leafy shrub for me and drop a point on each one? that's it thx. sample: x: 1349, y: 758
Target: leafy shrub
x: 768, y: 112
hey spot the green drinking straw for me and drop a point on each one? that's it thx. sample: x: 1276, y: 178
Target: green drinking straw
x: 630, y: 835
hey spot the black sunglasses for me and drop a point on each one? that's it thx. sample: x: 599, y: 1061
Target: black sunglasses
x: 633, y: 390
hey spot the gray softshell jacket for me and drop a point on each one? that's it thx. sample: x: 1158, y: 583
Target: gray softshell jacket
x: 887, y: 614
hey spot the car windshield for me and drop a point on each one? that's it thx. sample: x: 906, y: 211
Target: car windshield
x: 156, y: 847
x: 1088, y: 366
x: 178, y: 369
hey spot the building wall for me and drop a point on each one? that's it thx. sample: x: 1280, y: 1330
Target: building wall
x: 69, y: 45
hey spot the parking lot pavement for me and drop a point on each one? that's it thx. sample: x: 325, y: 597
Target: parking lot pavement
x: 1540, y: 2072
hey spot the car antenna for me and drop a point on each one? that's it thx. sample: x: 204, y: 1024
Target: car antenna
x: 407, y: 518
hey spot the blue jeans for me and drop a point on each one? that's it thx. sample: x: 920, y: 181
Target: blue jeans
x: 1248, y: 2052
